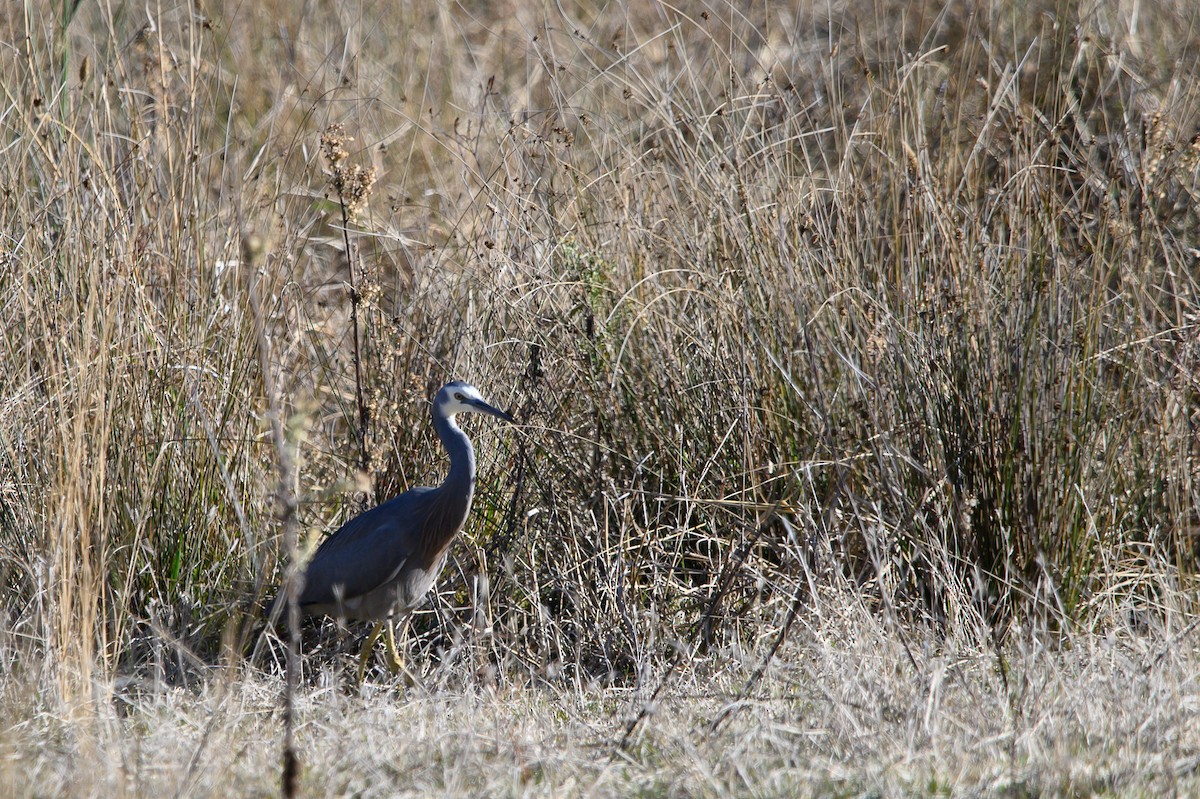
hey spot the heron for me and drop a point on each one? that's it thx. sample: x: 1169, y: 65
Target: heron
x: 380, y: 565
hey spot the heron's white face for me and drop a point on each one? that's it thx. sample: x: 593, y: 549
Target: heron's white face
x: 459, y: 397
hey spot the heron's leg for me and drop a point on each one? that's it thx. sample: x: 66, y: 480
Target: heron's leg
x: 395, y: 662
x: 368, y: 645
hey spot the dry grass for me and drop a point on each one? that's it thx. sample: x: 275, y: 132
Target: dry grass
x: 845, y: 712
x: 856, y: 347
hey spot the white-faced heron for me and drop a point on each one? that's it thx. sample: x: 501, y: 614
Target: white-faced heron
x: 379, y: 565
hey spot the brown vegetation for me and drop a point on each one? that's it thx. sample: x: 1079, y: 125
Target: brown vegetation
x: 856, y: 349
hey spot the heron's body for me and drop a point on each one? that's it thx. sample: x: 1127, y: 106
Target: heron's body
x: 374, y: 567
x: 380, y: 565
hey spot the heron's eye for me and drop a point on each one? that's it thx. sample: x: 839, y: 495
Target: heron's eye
x: 458, y: 396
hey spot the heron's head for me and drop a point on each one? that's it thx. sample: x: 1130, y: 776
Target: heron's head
x: 460, y: 397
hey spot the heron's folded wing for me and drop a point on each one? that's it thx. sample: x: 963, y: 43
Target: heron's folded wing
x: 367, y: 551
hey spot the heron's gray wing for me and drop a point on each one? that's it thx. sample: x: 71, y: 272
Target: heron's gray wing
x: 367, y: 551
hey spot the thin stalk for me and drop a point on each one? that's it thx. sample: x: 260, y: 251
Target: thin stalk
x: 294, y: 577
x: 364, y: 413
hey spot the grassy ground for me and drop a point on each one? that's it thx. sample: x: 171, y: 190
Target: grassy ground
x: 855, y: 350
x: 851, y: 709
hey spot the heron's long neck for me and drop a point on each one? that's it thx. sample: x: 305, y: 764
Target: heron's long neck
x: 460, y: 482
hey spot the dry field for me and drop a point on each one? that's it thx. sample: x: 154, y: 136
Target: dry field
x: 855, y: 348
x: 853, y: 709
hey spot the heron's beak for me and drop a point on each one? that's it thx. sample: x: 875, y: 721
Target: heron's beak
x: 483, y: 407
